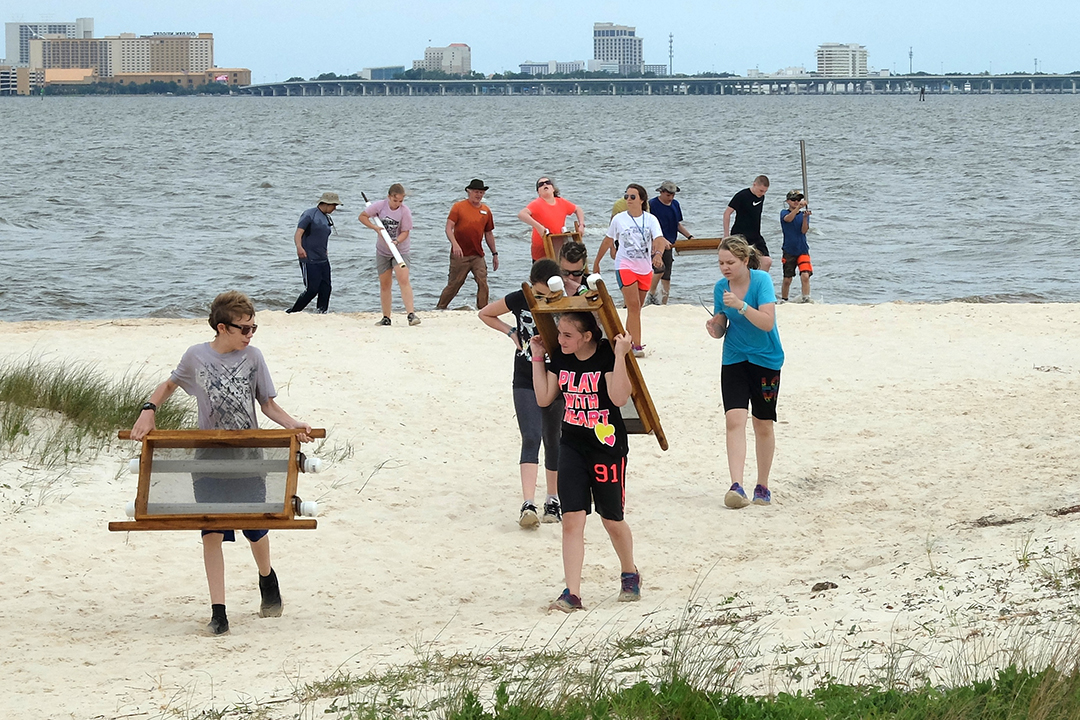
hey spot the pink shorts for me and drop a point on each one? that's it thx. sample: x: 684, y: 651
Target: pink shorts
x: 629, y: 277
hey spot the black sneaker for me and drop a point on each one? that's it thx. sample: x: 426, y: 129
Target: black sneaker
x: 528, y: 517
x: 385, y: 322
x: 413, y: 320
x: 552, y: 511
x: 271, y: 596
x: 219, y: 623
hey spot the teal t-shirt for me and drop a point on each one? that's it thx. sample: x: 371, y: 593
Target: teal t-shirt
x: 743, y: 341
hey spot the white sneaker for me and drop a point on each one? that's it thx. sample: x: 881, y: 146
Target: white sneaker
x: 806, y: 299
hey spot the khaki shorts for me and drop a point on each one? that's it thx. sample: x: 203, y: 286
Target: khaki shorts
x: 387, y: 262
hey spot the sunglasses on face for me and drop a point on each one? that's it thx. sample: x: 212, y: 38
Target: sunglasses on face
x: 629, y: 197
x: 245, y: 330
x: 573, y: 273
x: 542, y: 183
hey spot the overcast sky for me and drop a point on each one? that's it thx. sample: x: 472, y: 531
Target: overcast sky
x: 277, y: 39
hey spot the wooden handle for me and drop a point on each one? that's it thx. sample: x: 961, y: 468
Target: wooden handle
x: 274, y: 434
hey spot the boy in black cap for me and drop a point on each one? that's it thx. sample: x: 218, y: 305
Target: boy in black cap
x: 795, y: 221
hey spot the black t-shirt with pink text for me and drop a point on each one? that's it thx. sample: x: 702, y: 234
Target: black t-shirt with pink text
x: 591, y: 422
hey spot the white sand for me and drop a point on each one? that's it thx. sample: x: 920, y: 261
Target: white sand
x: 900, y: 426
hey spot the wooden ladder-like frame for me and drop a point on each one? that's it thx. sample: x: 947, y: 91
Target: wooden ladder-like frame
x: 644, y: 418
x: 550, y: 238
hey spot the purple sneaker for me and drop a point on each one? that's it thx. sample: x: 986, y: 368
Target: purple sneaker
x: 735, y: 497
x: 762, y: 496
x: 567, y: 603
x: 631, y: 587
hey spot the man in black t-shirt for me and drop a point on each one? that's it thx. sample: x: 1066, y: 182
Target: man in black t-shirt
x: 747, y: 205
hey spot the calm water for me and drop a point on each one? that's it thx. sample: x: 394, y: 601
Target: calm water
x: 121, y: 207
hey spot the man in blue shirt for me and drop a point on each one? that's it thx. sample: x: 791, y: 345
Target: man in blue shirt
x: 311, y: 237
x: 667, y: 211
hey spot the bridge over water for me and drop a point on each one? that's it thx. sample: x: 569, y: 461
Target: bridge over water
x: 936, y: 84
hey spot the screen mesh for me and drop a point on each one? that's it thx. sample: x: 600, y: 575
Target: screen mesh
x: 201, y: 481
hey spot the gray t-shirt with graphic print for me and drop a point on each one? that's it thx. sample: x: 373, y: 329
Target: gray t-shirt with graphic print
x: 226, y: 386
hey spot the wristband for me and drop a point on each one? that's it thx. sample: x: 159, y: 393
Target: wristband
x: 538, y: 359
x: 494, y: 253
x: 149, y: 406
x: 742, y: 310
x: 511, y: 331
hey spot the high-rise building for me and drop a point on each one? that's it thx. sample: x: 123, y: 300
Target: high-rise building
x: 17, y: 36
x: 840, y: 60
x: 126, y: 53
x: 454, y: 59
x: 617, y: 44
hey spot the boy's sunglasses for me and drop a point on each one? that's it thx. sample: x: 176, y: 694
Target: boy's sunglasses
x: 245, y: 330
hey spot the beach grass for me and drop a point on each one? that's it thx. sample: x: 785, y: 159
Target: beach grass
x: 570, y: 686
x: 53, y: 412
x: 696, y: 668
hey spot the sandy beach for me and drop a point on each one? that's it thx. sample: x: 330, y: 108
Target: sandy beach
x: 921, y: 453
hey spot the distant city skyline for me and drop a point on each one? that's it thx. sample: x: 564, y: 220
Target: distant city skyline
x: 279, y: 39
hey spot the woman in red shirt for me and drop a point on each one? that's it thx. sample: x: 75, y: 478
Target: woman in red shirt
x: 547, y: 214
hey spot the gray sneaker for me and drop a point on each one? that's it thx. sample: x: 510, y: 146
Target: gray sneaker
x: 413, y: 320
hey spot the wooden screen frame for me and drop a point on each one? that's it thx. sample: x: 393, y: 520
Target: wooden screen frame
x: 597, y: 300
x: 549, y: 242
x: 277, y: 438
x: 698, y: 246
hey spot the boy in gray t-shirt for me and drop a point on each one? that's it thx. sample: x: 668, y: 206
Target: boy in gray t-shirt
x: 227, y: 377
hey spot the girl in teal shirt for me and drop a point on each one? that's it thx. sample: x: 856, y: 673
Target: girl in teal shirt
x: 744, y: 314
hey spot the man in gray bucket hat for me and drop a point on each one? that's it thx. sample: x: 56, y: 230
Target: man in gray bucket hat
x: 312, y: 233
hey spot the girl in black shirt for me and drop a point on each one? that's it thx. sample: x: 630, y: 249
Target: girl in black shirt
x: 594, y: 384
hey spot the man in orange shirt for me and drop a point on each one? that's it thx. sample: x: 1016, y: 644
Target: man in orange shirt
x: 468, y: 225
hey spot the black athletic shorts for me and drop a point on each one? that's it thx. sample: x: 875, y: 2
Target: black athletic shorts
x: 746, y: 384
x: 584, y: 481
x: 665, y: 271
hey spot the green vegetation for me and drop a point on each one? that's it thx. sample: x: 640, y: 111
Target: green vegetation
x: 696, y: 671
x: 52, y: 412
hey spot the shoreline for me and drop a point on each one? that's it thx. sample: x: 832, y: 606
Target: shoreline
x: 921, y: 452
x: 399, y: 311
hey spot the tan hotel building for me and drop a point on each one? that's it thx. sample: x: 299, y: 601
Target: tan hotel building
x: 185, y: 58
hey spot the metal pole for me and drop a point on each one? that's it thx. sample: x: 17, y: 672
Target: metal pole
x: 802, y: 152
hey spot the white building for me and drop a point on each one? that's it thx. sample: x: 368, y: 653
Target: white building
x: 617, y: 44
x: 454, y: 59
x: 603, y: 66
x: 839, y: 60
x: 17, y: 36
x: 792, y: 71
x: 551, y: 67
